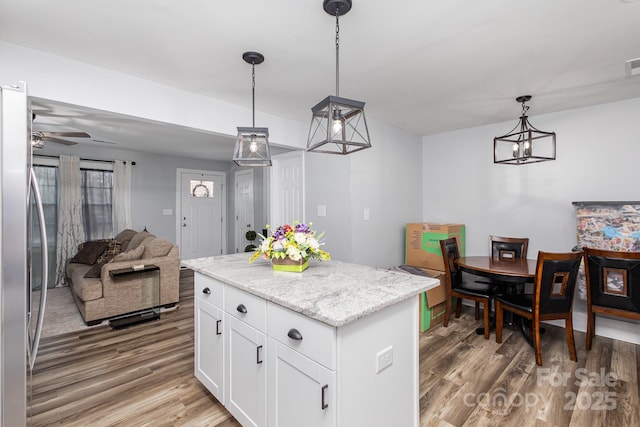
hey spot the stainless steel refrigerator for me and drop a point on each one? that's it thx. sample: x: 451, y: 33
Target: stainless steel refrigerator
x: 20, y: 297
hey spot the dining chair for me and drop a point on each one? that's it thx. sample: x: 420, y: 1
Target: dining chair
x: 613, y: 286
x: 456, y: 287
x: 508, y: 247
x: 505, y: 248
x: 552, y: 298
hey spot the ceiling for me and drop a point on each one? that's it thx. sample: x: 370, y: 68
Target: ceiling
x: 423, y: 66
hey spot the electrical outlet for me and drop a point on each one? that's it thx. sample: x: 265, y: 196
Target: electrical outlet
x: 384, y: 359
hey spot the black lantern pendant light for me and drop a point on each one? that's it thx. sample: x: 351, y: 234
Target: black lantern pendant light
x: 252, y: 144
x: 524, y: 144
x: 338, y: 125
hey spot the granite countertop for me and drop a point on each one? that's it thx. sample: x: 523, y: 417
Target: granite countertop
x: 332, y: 292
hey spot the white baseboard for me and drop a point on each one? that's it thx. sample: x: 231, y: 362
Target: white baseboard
x: 622, y: 330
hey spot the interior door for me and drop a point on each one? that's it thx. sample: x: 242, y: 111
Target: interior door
x: 201, y: 221
x: 244, y: 208
x: 287, y: 191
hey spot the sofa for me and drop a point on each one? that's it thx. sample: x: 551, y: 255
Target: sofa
x: 100, y: 296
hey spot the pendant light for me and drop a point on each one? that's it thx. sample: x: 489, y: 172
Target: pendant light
x: 524, y: 144
x: 338, y: 125
x: 252, y: 144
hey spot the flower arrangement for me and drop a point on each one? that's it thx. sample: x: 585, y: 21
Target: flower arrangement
x: 297, y: 243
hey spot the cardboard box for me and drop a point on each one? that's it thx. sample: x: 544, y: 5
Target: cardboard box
x: 432, y: 302
x: 422, y: 247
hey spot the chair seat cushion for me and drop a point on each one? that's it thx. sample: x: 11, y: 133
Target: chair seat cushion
x: 523, y: 302
x: 475, y: 289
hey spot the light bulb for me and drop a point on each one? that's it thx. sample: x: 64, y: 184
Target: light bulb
x: 516, y: 149
x: 337, y: 126
x: 527, y: 148
x: 253, y: 147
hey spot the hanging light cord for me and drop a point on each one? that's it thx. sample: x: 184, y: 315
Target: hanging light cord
x: 337, y: 53
x: 523, y: 123
x: 253, y: 91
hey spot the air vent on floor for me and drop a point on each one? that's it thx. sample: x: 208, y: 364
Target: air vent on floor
x: 632, y: 67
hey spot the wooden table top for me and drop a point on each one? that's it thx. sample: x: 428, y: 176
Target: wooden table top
x: 516, y: 270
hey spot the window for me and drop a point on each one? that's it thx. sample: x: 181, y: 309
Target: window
x: 46, y: 177
x: 97, y: 187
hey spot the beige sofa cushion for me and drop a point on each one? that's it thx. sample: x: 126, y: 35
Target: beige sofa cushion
x: 156, y: 247
x: 137, y: 239
x: 86, y: 289
x: 129, y: 255
x: 124, y: 237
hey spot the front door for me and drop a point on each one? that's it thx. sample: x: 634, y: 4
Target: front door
x: 244, y: 208
x: 201, y: 221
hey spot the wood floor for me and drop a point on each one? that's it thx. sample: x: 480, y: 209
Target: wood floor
x: 143, y: 376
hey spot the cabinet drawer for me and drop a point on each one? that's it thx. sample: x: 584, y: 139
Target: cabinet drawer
x: 316, y: 340
x: 208, y: 289
x: 246, y: 307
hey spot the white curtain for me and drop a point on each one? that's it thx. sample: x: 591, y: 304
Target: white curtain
x: 70, y: 232
x: 121, y: 196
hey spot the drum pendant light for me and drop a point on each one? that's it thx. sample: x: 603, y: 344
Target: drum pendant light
x: 252, y: 144
x: 524, y: 144
x: 338, y: 125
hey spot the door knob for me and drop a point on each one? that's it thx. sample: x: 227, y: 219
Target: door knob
x: 184, y: 225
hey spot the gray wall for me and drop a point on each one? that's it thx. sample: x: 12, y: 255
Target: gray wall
x: 386, y: 179
x: 153, y: 183
x: 597, y: 160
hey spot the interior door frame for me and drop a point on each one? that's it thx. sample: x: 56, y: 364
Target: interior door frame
x: 178, y: 209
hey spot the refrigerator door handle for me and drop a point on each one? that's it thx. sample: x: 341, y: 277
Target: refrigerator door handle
x: 45, y: 268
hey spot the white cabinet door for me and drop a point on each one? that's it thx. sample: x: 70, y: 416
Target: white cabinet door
x: 301, y: 392
x: 209, y: 347
x: 246, y: 372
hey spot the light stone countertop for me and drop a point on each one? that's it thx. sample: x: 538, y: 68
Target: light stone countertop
x: 331, y: 292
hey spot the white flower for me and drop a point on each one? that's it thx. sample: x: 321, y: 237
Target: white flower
x: 278, y: 245
x: 264, y: 246
x: 313, y: 244
x: 294, y: 253
x: 300, y: 238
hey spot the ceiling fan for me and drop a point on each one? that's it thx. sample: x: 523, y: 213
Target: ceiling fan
x: 39, y: 138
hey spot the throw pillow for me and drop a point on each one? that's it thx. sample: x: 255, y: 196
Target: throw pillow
x: 124, y: 237
x: 156, y: 247
x: 90, y: 252
x: 113, y: 249
x: 137, y: 239
x: 131, y: 255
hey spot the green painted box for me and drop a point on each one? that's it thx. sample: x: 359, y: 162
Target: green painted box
x: 422, y: 248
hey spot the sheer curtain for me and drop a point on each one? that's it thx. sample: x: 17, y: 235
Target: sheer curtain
x: 121, y: 196
x: 70, y: 232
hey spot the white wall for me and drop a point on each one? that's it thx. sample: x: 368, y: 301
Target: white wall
x: 153, y: 183
x: 598, y: 149
x: 386, y: 179
x: 53, y: 77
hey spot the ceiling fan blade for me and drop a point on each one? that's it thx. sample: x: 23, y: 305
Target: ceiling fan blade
x: 67, y: 134
x: 58, y: 140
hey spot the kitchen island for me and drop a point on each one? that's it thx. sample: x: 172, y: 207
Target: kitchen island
x: 335, y: 345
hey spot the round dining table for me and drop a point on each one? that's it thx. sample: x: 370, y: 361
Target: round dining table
x: 509, y: 272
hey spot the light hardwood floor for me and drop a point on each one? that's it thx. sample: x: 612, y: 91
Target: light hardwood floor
x: 143, y: 376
